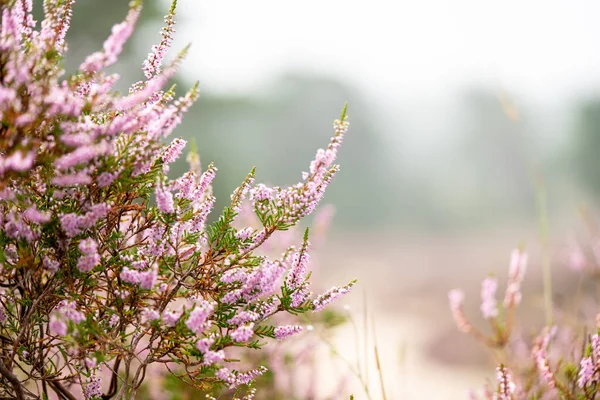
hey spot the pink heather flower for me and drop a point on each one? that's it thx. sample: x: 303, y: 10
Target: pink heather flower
x: 17, y: 161
x: 506, y: 387
x: 113, y: 321
x: 170, y: 317
x: 150, y: 314
x: 130, y: 275
x: 540, y: 356
x: 282, y: 332
x: 261, y: 193
x: 93, y: 388
x: 148, y: 278
x: 173, y: 151
x: 164, y: 200
x: 58, y: 326
x: 213, y: 357
x: 320, y: 302
x: 79, y: 178
x: 205, y: 180
x: 70, y: 224
x: 587, y: 374
x: 518, y: 265
x: 68, y: 310
x: 246, y: 377
x: 299, y: 263
x: 106, y: 178
x: 242, y: 317
x: 113, y: 45
x: 244, y: 234
x: 88, y: 262
x: 152, y: 65
x: 186, y: 185
x: 203, y: 345
x: 300, y: 295
x: 488, y: 300
x: 81, y: 155
x: 88, y: 246
x: 50, y: 264
x: 197, y: 321
x: 457, y: 298
x: 34, y: 215
x: 243, y: 333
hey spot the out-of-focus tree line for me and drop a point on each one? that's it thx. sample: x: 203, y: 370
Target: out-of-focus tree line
x: 486, y: 174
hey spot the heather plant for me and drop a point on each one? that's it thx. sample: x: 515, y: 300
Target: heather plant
x: 562, y: 361
x: 109, y: 267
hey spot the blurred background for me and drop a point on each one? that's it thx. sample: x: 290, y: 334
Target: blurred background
x: 463, y: 115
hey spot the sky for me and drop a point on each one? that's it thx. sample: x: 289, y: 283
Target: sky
x: 394, y: 49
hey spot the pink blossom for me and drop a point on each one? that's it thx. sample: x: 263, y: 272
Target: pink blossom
x: 113, y: 45
x: 203, y: 345
x: 152, y: 65
x: 164, y: 200
x: 58, y: 326
x: 488, y: 300
x: 173, y: 151
x: 197, y: 321
x: 243, y: 333
x: 130, y: 275
x: 93, y: 388
x: 88, y: 246
x: 88, y: 262
x: 170, y: 317
x: 148, y: 278
x: 282, y: 332
x: 335, y: 292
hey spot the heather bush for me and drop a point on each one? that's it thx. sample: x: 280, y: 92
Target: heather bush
x: 109, y: 268
x: 560, y: 361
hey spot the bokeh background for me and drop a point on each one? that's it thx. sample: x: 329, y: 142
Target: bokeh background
x: 464, y: 116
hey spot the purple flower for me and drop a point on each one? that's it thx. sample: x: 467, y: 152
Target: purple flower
x: 170, y: 317
x: 58, y: 326
x: 213, y: 357
x: 587, y: 375
x: 243, y: 333
x: 149, y: 314
x: 88, y: 246
x: 282, y: 332
x: 197, y: 321
x: 148, y: 278
x: 130, y: 275
x: 164, y: 200
x: 488, y: 300
x: 152, y: 65
x: 320, y: 302
x: 204, y: 344
x: 87, y: 263
x: 93, y: 388
x: 173, y: 151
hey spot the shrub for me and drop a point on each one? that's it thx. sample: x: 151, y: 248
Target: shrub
x: 107, y: 264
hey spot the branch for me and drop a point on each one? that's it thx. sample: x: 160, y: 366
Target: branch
x: 16, y: 383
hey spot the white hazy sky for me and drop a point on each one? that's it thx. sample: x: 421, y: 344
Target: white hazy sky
x: 397, y: 48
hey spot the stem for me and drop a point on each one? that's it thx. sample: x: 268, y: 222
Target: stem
x: 543, y: 224
x: 15, y: 382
